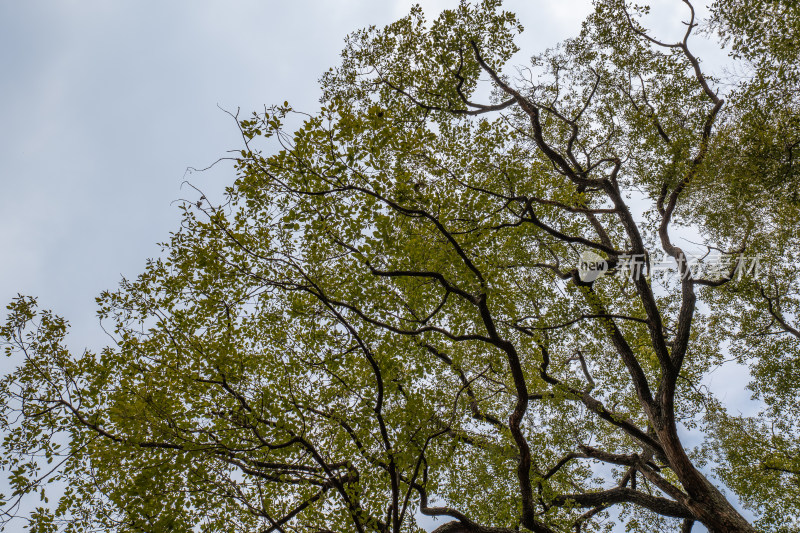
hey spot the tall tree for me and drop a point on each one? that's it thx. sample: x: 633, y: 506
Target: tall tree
x: 387, y: 317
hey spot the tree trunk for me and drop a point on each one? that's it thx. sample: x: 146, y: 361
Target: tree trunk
x: 705, y: 501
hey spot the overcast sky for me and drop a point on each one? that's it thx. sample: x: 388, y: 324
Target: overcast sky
x: 103, y: 106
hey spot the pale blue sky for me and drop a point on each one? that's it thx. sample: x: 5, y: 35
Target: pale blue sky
x: 104, y: 104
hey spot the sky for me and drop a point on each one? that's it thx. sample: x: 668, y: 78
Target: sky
x: 104, y: 106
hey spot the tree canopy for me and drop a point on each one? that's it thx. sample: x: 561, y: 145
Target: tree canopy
x: 389, y: 315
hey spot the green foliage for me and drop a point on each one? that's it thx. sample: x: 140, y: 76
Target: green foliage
x: 385, y: 319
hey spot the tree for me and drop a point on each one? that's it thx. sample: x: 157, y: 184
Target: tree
x: 758, y: 455
x: 387, y: 317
